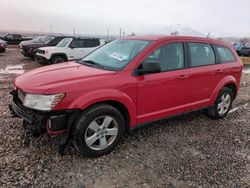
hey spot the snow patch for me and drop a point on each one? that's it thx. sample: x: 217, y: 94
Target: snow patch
x: 246, y: 70
x: 238, y: 108
x: 13, y: 69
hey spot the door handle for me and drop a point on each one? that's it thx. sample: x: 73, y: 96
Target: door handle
x: 183, y: 77
x: 219, y: 70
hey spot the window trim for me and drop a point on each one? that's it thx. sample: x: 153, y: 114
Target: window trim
x: 189, y: 54
x: 218, y: 53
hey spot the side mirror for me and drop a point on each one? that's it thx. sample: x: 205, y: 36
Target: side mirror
x: 148, y: 68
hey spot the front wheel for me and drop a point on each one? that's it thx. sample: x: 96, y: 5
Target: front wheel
x: 222, y: 105
x: 58, y: 59
x: 98, y: 130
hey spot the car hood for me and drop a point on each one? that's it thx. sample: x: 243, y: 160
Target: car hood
x: 51, y: 48
x: 60, y: 76
x: 32, y: 43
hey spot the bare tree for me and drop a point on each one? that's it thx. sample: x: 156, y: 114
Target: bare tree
x: 244, y: 41
x: 132, y: 34
x: 174, y: 33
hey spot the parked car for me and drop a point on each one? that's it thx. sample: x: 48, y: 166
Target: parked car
x: 238, y: 46
x: 3, y: 45
x: 29, y: 48
x: 68, y: 49
x: 244, y: 51
x: 124, y: 84
x: 14, y: 38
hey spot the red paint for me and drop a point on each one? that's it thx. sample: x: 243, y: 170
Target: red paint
x: 147, y: 98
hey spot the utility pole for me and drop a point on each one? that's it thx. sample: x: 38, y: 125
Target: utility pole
x: 123, y: 33
x: 50, y: 26
x: 120, y: 33
x: 74, y: 31
x: 208, y: 35
x: 107, y: 34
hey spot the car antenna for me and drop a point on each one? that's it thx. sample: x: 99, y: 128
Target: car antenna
x: 208, y: 35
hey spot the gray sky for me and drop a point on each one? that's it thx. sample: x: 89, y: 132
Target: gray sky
x: 220, y: 17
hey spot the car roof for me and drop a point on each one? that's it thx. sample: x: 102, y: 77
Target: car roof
x: 77, y: 37
x: 172, y: 37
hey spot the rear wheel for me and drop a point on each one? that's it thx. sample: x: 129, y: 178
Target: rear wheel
x: 58, y: 59
x: 98, y: 130
x: 222, y: 105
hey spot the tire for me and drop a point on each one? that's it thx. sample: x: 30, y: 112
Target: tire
x: 58, y: 59
x: 98, y: 130
x: 32, y: 129
x: 222, y: 105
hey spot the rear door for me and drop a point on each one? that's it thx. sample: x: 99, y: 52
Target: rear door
x: 232, y: 66
x: 205, y: 73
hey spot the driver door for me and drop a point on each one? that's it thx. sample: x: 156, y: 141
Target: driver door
x: 166, y: 93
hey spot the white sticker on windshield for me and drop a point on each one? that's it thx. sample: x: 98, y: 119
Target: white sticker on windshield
x: 119, y: 57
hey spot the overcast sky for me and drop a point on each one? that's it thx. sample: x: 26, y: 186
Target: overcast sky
x: 220, y: 17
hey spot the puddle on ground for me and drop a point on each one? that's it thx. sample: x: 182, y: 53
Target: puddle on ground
x: 12, y: 69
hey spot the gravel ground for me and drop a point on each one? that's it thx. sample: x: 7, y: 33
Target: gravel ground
x: 187, y: 151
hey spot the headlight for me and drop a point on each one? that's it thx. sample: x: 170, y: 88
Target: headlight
x: 42, y: 102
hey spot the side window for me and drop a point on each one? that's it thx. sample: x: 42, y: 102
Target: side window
x: 170, y: 57
x: 77, y: 43
x: 17, y: 36
x: 55, y: 41
x: 10, y: 36
x: 225, y: 54
x: 91, y: 43
x: 201, y: 54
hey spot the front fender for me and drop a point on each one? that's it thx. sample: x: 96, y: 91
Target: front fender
x: 225, y: 81
x: 94, y: 97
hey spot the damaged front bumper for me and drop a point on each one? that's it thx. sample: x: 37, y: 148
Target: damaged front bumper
x: 36, y: 122
x: 54, y: 122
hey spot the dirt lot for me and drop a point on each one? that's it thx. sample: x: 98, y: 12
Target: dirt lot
x: 187, y: 151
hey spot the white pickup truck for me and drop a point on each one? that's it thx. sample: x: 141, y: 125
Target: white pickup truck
x: 68, y: 49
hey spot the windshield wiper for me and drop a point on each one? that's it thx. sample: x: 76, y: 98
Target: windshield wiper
x: 90, y: 62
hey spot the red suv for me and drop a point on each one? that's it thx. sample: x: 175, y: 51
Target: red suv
x: 124, y: 84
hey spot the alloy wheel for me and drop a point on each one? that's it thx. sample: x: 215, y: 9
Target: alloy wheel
x: 101, y: 133
x: 224, y: 103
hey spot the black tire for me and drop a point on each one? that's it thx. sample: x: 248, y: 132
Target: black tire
x: 213, y: 111
x: 82, y: 126
x: 32, y: 129
x: 57, y: 59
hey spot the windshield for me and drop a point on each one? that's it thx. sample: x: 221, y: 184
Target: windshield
x: 116, y: 54
x: 47, y: 39
x: 64, y: 42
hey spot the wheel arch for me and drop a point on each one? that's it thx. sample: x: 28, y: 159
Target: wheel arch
x: 229, y: 82
x: 119, y: 106
x: 233, y: 87
x: 59, y: 54
x: 117, y: 99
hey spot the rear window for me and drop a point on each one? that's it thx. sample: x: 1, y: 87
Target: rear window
x: 225, y: 54
x: 201, y: 54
